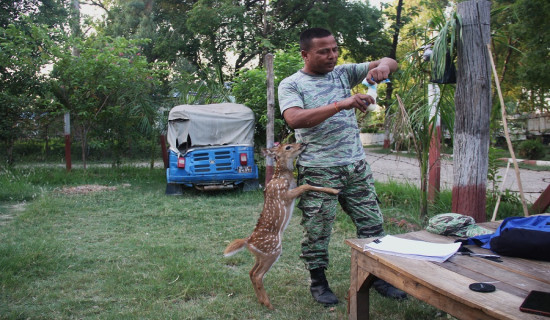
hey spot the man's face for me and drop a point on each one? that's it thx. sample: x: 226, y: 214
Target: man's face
x: 322, y: 56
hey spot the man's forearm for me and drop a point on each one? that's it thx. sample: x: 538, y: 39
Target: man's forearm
x: 389, y: 62
x: 392, y: 64
x: 297, y: 118
x: 381, y: 69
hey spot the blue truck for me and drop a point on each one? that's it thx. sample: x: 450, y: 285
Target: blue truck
x: 211, y: 147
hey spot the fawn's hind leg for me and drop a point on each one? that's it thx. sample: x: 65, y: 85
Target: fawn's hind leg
x: 262, y: 266
x: 252, y: 274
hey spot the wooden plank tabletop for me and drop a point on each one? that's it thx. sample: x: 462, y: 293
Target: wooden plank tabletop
x: 446, y: 285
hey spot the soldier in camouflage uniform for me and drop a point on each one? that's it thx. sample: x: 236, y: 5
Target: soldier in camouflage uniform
x: 316, y: 101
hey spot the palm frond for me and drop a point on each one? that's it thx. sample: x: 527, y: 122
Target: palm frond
x: 445, y: 45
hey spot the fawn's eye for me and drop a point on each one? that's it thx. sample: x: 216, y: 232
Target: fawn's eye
x: 287, y: 147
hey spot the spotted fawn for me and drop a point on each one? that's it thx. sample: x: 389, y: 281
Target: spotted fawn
x: 279, y: 196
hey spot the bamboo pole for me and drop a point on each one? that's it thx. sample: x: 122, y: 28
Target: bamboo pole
x: 506, y: 133
x: 500, y: 192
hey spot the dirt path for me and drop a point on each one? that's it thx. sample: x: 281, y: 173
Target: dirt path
x: 403, y: 169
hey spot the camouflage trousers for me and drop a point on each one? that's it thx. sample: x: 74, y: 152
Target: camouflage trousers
x: 357, y: 198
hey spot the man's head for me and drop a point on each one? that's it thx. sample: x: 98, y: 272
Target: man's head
x: 307, y: 35
x: 319, y: 50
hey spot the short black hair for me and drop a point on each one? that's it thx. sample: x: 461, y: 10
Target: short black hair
x: 307, y: 35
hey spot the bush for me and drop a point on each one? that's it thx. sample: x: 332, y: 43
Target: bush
x: 531, y: 149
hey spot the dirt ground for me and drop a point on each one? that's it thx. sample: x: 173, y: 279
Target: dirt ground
x: 88, y: 188
x: 387, y: 167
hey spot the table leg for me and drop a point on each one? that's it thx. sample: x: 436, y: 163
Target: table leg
x: 360, y: 283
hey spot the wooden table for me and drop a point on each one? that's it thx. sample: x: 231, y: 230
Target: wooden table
x: 445, y: 285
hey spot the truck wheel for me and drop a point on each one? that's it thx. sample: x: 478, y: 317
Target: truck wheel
x: 174, y: 189
x: 251, y: 185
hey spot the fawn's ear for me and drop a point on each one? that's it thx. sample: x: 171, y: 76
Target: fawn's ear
x: 268, y: 152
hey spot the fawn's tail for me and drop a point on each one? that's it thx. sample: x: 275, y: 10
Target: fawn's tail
x: 234, y: 247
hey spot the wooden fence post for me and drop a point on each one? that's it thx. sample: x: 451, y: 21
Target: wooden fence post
x: 270, y: 130
x: 434, y: 155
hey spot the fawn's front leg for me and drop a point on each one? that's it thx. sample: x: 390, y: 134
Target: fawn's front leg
x: 296, y: 192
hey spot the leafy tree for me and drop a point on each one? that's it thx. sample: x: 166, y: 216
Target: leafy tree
x: 533, y: 69
x: 227, y: 35
x: 108, y: 87
x: 413, y: 124
x: 412, y: 121
x: 24, y: 50
x: 358, y: 28
x: 163, y: 22
x: 398, y: 21
x: 52, y: 13
x: 504, y: 44
x: 198, y: 86
x: 520, y: 52
x: 250, y: 89
x: 218, y: 24
x: 27, y: 45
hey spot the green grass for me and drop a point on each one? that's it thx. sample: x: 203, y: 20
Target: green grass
x: 135, y: 253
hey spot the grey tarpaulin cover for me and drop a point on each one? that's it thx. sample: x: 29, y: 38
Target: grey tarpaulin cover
x: 210, y: 125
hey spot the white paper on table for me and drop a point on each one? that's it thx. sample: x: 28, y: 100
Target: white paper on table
x: 423, y: 250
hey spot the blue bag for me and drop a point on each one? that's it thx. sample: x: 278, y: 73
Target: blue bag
x: 523, y: 237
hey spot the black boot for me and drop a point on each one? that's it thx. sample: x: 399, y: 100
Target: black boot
x: 319, y: 288
x: 388, y: 291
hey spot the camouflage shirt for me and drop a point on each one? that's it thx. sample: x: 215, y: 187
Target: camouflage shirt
x: 335, y: 141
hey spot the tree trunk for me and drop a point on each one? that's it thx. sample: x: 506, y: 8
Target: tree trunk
x: 473, y: 109
x: 389, y: 86
x: 164, y: 150
x: 46, y: 143
x: 9, y: 151
x: 84, y: 145
x: 75, y: 29
x: 67, y: 134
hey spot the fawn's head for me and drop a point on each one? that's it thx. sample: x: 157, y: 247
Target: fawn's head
x: 285, y: 154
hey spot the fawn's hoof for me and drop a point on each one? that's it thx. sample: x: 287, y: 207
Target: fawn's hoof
x: 322, y: 294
